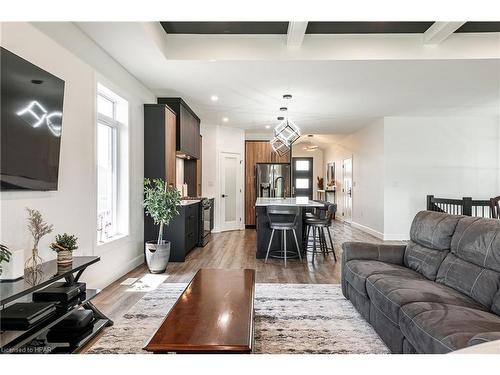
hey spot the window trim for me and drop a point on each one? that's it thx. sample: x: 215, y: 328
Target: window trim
x: 118, y: 128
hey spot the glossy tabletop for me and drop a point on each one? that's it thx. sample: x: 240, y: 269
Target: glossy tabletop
x: 214, y: 314
x: 49, y: 272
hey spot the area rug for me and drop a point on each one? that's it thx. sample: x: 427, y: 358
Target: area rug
x: 289, y: 318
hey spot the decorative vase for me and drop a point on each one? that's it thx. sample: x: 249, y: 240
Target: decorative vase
x: 157, y: 256
x: 64, y: 257
x: 35, y: 261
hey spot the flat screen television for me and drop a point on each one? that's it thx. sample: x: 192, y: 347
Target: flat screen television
x: 31, y: 125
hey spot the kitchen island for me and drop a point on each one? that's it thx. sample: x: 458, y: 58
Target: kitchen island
x: 262, y: 223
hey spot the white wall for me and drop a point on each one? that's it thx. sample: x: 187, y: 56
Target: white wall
x: 450, y: 157
x: 318, y: 165
x: 63, y: 50
x: 217, y: 139
x: 366, y: 147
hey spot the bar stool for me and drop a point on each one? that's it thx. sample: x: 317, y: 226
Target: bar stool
x: 318, y: 225
x: 283, y: 218
x: 318, y: 213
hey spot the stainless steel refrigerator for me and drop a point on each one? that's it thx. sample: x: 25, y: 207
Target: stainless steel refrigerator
x: 273, y: 180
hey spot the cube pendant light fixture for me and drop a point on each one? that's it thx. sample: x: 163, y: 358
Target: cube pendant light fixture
x: 287, y: 132
x: 279, y: 146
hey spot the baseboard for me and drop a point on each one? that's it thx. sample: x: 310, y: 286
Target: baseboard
x: 368, y: 230
x: 94, y: 278
x: 396, y: 237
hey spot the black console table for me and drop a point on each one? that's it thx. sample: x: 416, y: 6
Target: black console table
x: 21, y: 291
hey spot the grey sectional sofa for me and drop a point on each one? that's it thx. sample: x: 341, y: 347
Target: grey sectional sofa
x: 439, y: 293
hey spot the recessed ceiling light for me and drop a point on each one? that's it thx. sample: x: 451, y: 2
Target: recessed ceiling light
x: 287, y: 96
x: 214, y: 98
x: 283, y: 109
x: 225, y: 119
x: 268, y: 126
x: 280, y: 118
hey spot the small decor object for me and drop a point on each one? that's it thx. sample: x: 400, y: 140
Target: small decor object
x: 64, y: 246
x: 160, y: 202
x: 320, y: 183
x: 38, y: 228
x: 5, y: 255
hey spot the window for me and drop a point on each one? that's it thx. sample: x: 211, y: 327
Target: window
x: 112, y: 165
x: 302, y: 165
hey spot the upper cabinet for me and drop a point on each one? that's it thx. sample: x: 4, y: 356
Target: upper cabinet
x: 159, y: 142
x: 187, y: 129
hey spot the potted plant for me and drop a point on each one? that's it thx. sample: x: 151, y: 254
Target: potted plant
x: 5, y: 255
x: 161, y: 204
x: 64, y: 246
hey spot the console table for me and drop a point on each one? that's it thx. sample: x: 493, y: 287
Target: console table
x: 21, y: 291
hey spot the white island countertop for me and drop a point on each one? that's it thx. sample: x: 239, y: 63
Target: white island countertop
x: 301, y: 202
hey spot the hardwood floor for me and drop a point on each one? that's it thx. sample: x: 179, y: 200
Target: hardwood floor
x: 235, y: 249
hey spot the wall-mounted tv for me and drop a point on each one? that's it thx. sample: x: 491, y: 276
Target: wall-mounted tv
x: 31, y: 125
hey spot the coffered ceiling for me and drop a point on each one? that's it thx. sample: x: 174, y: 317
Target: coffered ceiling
x: 338, y: 83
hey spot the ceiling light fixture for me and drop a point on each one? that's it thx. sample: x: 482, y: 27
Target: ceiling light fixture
x: 225, y: 119
x: 283, y: 109
x: 287, y: 96
x: 287, y: 131
x: 214, y: 98
x: 268, y: 126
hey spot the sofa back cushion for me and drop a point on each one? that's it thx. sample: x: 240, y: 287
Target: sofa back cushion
x: 473, y: 266
x: 430, y: 234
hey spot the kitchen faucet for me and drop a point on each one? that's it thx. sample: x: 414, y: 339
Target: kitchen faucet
x: 282, y: 185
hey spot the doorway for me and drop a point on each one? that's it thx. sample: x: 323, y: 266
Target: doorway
x: 230, y: 188
x: 347, y: 189
x: 302, y: 181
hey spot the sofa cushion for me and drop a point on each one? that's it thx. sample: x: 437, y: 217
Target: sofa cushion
x: 477, y: 241
x: 424, y: 260
x: 357, y: 271
x: 477, y: 282
x: 473, y: 267
x: 390, y: 293
x: 440, y: 328
x: 433, y: 230
x: 430, y: 234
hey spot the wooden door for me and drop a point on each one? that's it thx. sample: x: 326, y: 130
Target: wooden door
x: 170, y: 146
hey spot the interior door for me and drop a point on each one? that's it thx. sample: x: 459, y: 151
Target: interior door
x: 302, y: 177
x: 230, y: 188
x: 347, y: 189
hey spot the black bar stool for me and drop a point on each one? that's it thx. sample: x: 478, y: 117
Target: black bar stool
x: 283, y: 218
x: 318, y: 226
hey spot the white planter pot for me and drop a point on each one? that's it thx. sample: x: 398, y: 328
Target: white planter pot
x: 14, y: 270
x: 157, y: 256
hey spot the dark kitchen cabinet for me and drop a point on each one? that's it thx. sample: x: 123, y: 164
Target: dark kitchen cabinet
x: 159, y: 142
x: 183, y: 232
x: 188, y: 127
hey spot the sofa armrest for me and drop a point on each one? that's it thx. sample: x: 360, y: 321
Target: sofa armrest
x: 370, y: 251
x: 481, y: 338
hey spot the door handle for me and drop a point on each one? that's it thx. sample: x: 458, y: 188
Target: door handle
x: 224, y: 196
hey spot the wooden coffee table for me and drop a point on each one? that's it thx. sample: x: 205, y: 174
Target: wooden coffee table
x: 214, y: 314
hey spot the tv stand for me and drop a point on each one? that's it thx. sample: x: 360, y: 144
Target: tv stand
x: 21, y: 291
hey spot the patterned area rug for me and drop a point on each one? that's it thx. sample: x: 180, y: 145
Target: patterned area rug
x: 289, y: 318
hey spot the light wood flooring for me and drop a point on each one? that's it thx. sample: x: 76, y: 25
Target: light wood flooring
x: 235, y: 249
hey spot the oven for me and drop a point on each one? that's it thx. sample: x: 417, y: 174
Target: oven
x: 206, y: 221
